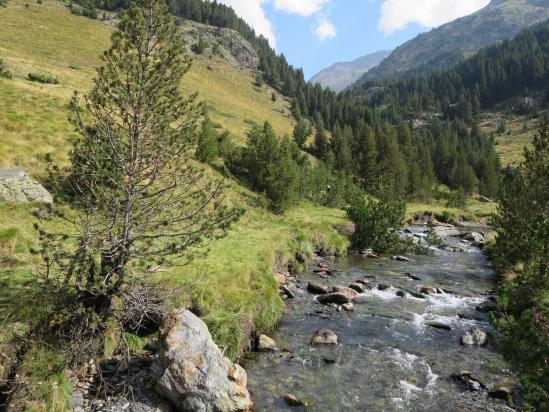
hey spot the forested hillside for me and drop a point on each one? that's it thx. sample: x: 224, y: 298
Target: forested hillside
x: 517, y: 68
x: 446, y: 45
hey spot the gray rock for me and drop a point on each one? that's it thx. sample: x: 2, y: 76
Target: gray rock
x: 350, y: 293
x: 469, y: 381
x: 383, y: 286
x: 17, y: 187
x: 412, y: 276
x: 474, y: 237
x: 317, y: 288
x: 400, y: 258
x: 474, y: 336
x: 324, y: 336
x: 501, y: 392
x: 266, y: 344
x: 191, y: 371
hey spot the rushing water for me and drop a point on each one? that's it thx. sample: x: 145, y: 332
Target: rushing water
x: 389, y: 358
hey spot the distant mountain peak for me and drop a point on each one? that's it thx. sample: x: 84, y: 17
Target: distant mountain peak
x: 342, y: 74
x: 446, y: 45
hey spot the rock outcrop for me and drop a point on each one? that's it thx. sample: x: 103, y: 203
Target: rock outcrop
x: 17, y: 187
x: 192, y: 372
x: 474, y: 336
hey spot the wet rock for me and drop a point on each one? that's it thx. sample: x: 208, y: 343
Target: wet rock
x: 324, y: 336
x: 401, y: 258
x: 294, y: 401
x: 474, y: 336
x: 280, y: 279
x: 329, y: 361
x: 401, y: 293
x: 350, y: 293
x: 438, y: 325
x: 300, y: 257
x: 358, y: 287
x: 428, y: 290
x: 470, y: 382
x: 266, y: 344
x: 348, y: 307
x: 370, y: 254
x: 487, y: 306
x: 412, y: 276
x: 474, y: 237
x: 453, y: 249
x: 191, y: 370
x: 288, y: 292
x: 383, y: 286
x: 317, y: 288
x: 335, y: 297
x: 501, y: 392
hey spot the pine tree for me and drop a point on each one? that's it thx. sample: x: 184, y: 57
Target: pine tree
x: 302, y: 131
x: 207, y: 147
x: 142, y: 201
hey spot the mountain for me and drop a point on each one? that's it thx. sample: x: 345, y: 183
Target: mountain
x: 340, y: 75
x: 444, y: 46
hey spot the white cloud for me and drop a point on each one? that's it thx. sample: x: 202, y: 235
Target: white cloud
x: 396, y: 14
x: 325, y: 30
x: 253, y: 13
x: 302, y: 7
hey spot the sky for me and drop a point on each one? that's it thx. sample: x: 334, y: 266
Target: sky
x: 314, y: 34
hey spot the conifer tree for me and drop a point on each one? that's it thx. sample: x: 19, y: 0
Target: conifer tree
x: 142, y: 201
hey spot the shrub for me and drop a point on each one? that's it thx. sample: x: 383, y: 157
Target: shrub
x: 42, y: 78
x: 374, y: 219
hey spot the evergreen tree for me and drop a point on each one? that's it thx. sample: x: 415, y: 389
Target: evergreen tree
x: 302, y: 131
x: 207, y: 148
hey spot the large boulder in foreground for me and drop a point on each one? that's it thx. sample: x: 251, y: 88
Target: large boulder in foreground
x: 193, y: 373
x: 17, y: 187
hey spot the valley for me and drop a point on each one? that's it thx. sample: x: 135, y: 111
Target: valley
x: 273, y: 184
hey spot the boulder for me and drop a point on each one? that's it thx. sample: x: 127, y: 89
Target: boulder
x: 335, y: 297
x: 400, y: 258
x: 192, y: 372
x: 383, y: 286
x: 371, y: 254
x: 17, y: 187
x: 474, y: 336
x: 487, y: 306
x: 266, y: 344
x: 294, y: 401
x: 317, y: 288
x: 350, y: 293
x: 324, y: 336
x: 401, y: 293
x: 357, y: 286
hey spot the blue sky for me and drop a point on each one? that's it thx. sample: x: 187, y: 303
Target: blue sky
x: 314, y: 34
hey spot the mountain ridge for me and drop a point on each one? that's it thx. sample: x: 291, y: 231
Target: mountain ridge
x: 446, y: 45
x: 340, y: 75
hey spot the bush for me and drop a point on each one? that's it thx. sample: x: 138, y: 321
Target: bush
x: 374, y: 219
x: 4, y: 72
x: 42, y: 78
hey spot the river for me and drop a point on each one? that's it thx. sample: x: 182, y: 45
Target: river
x: 389, y: 357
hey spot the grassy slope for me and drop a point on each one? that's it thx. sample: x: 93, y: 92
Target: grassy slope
x: 233, y: 285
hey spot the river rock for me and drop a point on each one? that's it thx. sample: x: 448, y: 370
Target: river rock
x: 350, y: 293
x: 370, y: 254
x: 401, y: 293
x: 452, y: 249
x: 335, y: 297
x: 470, y: 382
x: 474, y: 336
x: 383, y: 286
x: 412, y: 276
x: 438, y: 325
x: 428, y: 290
x: 287, y: 290
x: 17, y: 187
x: 280, y: 279
x: 348, y: 307
x: 324, y: 336
x: 358, y: 287
x: 192, y: 372
x: 487, y: 306
x: 474, y: 237
x: 266, y: 344
x: 501, y: 392
x: 401, y: 258
x: 317, y: 288
x: 294, y: 401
